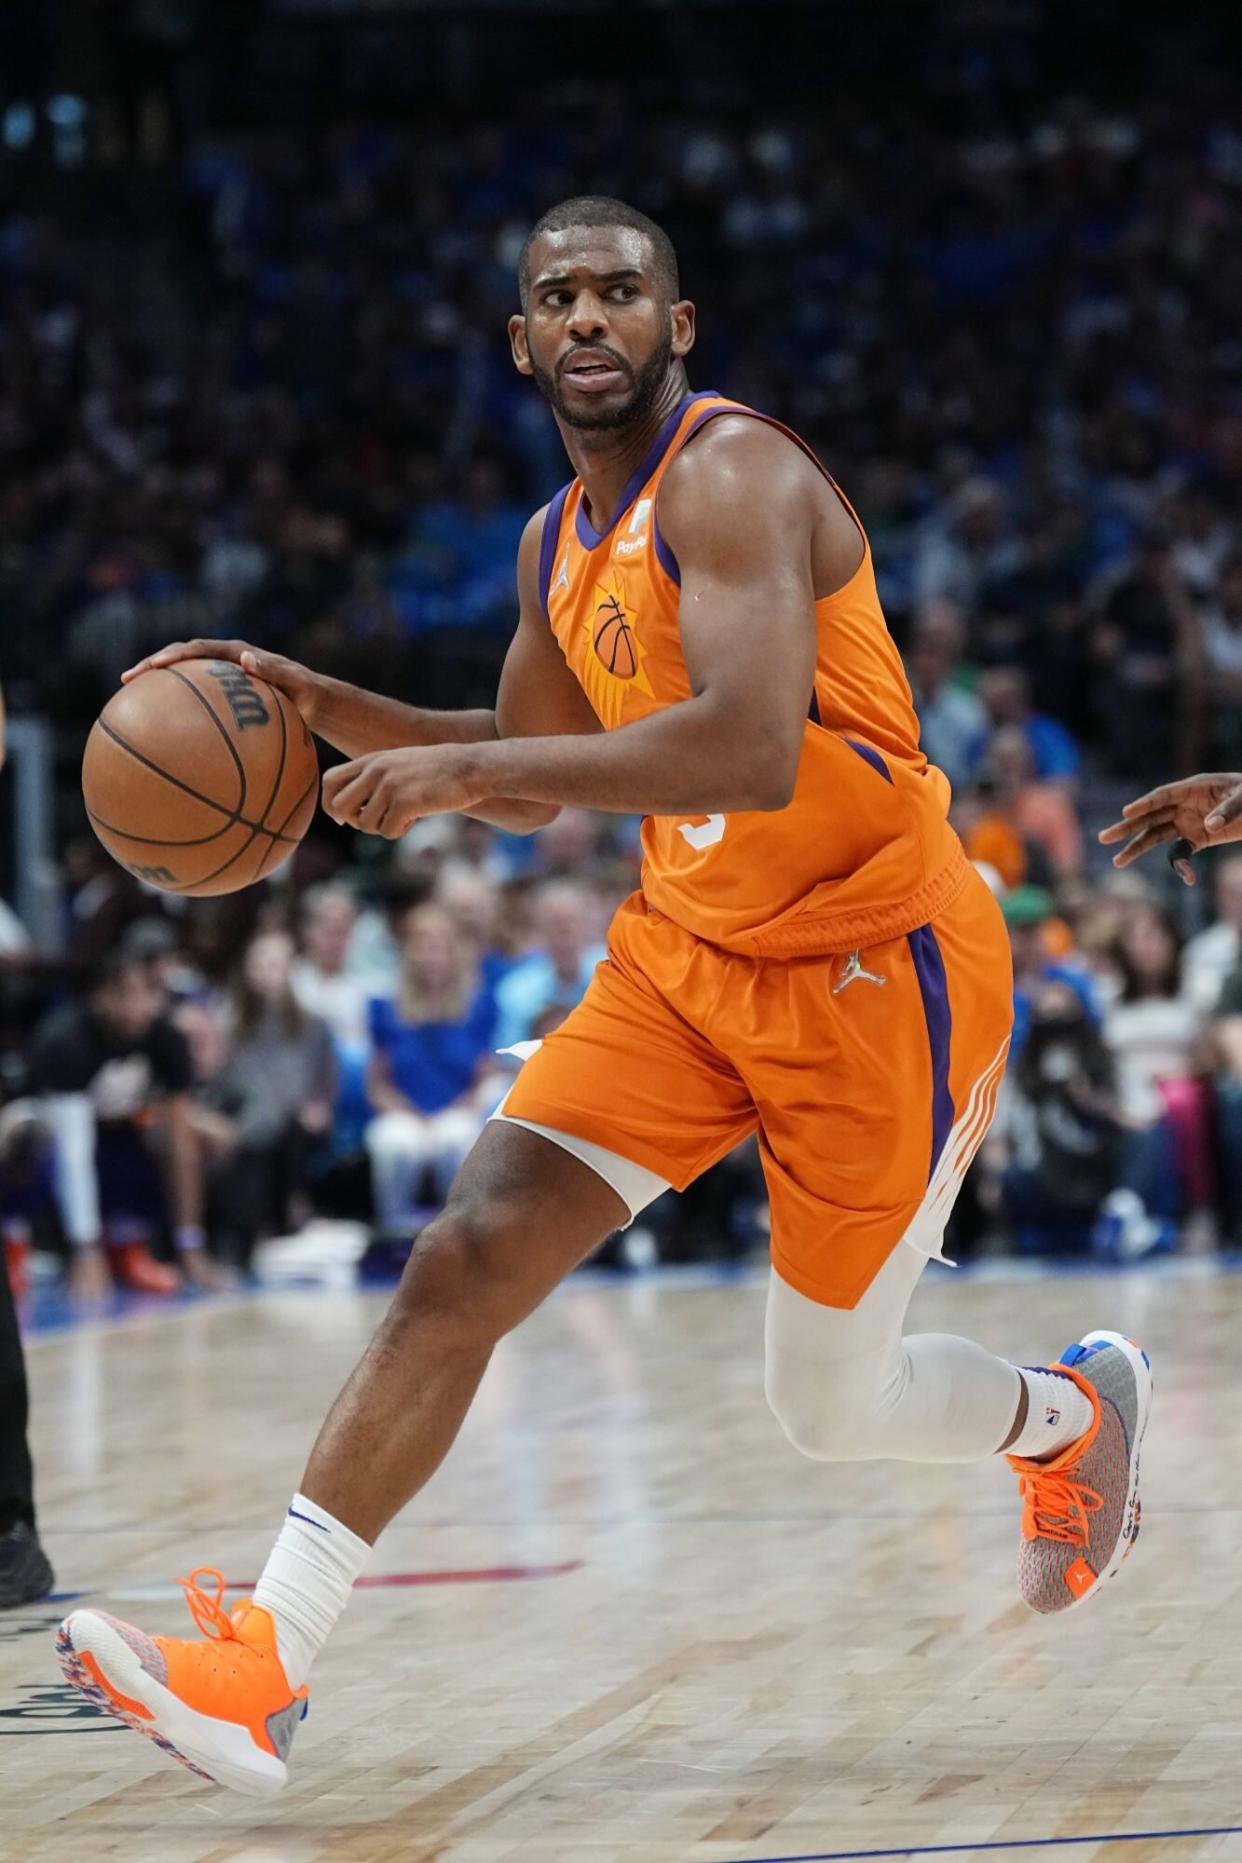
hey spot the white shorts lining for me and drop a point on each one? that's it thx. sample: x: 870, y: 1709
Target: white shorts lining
x: 634, y: 1183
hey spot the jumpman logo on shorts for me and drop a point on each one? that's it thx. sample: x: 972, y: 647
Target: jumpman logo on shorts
x: 853, y: 972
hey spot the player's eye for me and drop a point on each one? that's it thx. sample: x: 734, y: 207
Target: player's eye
x: 624, y: 292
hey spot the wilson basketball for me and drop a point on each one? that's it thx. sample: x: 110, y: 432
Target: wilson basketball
x: 199, y: 779
x: 614, y: 640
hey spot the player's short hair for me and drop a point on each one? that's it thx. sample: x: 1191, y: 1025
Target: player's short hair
x: 603, y: 210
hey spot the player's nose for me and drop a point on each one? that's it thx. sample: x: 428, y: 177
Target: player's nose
x: 587, y: 316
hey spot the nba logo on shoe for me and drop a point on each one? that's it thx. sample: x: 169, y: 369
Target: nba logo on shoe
x: 1052, y: 1417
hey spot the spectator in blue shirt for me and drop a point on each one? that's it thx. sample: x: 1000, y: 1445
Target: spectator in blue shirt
x: 430, y: 1047
x: 952, y: 722
x: 1006, y: 695
x: 1027, y: 910
x: 556, y: 974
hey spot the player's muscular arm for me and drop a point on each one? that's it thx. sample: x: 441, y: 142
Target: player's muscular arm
x: 538, y: 695
x: 738, y: 508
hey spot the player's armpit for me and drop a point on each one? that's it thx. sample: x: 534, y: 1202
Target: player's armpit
x: 538, y: 696
x: 738, y: 510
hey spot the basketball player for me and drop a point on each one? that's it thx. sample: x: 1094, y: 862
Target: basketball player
x: 811, y: 957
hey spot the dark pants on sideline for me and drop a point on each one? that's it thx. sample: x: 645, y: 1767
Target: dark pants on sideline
x: 249, y: 1190
x: 16, y: 1474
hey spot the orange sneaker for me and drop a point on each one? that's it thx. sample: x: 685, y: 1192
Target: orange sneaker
x: 135, y: 1267
x: 223, y: 1707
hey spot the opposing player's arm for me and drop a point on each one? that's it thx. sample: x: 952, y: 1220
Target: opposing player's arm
x: 1200, y: 811
x: 738, y: 510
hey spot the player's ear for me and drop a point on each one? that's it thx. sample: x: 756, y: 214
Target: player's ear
x: 682, y: 315
x: 517, y: 343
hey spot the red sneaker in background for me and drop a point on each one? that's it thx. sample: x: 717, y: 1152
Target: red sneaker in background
x: 133, y: 1266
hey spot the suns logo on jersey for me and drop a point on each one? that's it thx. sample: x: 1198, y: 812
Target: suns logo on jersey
x: 615, y: 660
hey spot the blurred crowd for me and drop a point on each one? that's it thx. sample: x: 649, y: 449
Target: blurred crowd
x: 195, y: 1077
x: 1119, y: 1123
x: 253, y: 380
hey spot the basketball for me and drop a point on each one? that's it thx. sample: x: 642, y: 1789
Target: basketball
x: 614, y: 640
x: 199, y: 779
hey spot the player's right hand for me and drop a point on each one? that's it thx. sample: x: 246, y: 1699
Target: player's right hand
x: 296, y: 681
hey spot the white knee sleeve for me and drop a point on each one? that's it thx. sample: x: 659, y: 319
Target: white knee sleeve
x: 846, y: 1387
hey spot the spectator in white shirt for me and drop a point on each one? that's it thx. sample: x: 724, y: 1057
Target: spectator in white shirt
x: 320, y: 981
x: 1212, y: 954
x: 1156, y: 1038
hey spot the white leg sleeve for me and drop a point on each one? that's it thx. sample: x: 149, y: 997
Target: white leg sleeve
x: 70, y: 1118
x: 398, y: 1145
x: 847, y: 1387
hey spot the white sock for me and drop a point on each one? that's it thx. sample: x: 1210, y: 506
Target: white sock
x: 1057, y: 1414
x: 306, y: 1583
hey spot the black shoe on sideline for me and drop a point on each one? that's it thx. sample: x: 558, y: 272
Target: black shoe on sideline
x: 24, y: 1571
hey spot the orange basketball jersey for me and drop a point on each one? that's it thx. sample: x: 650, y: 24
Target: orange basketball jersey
x: 863, y: 852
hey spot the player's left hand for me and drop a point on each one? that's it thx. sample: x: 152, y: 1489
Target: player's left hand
x: 1203, y: 811
x: 387, y: 792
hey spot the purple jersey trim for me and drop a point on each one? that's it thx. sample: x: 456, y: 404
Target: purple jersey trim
x: 588, y: 536
x: 929, y: 968
x: 869, y: 754
x: 548, y: 542
x: 664, y: 554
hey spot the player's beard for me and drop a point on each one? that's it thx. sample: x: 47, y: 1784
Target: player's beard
x: 647, y: 382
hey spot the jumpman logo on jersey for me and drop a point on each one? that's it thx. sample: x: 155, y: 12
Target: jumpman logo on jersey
x: 562, y: 580
x: 853, y: 972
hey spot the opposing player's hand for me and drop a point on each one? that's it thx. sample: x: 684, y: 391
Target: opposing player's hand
x: 296, y: 681
x: 387, y: 792
x: 1204, y: 811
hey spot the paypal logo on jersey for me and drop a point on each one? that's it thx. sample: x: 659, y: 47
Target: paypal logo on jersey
x: 636, y: 534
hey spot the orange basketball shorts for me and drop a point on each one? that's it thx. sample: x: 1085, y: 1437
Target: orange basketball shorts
x: 870, y: 1078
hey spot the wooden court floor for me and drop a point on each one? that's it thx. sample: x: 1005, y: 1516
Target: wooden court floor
x: 627, y: 1623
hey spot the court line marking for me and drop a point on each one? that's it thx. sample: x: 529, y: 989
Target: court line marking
x: 998, y: 1843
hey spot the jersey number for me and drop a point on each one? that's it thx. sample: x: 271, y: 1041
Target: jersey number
x: 703, y: 834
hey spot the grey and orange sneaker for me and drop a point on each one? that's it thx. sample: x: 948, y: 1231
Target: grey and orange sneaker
x: 1080, y: 1510
x: 222, y: 1705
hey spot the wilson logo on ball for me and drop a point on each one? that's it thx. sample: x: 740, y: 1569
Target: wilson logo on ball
x: 244, y: 699
x: 156, y: 876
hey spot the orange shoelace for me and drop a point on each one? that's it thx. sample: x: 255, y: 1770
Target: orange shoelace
x: 1055, y: 1506
x: 208, y: 1613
